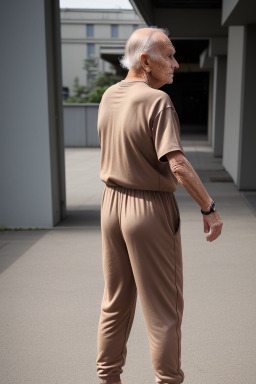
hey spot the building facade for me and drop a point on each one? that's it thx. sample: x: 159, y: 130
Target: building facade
x: 92, y: 40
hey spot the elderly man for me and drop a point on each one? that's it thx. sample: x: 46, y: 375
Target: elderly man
x: 142, y: 161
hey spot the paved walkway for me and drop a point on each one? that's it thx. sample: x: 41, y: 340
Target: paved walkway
x: 51, y: 285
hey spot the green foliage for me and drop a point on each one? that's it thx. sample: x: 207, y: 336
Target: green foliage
x: 106, y: 80
x: 80, y: 93
x: 100, y: 85
x: 94, y: 92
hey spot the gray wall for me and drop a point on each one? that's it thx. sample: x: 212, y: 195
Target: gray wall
x: 219, y: 90
x: 233, y: 101
x: 29, y: 158
x: 80, y: 125
x: 247, y: 155
x: 240, y: 134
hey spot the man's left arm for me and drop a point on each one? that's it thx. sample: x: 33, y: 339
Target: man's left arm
x: 189, y: 179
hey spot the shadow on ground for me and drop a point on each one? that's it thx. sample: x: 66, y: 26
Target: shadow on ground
x: 89, y: 217
x: 14, y: 244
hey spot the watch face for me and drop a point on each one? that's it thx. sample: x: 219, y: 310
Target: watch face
x: 213, y: 207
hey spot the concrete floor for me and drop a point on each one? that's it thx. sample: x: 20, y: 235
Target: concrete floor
x: 51, y: 285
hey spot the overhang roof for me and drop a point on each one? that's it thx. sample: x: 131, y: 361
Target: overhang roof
x: 185, y: 19
x: 238, y: 12
x: 187, y: 3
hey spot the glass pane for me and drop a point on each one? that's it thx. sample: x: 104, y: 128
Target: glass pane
x: 114, y: 30
x: 89, y: 30
x: 90, y: 49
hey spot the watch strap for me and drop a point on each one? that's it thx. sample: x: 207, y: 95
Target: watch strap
x: 212, y: 209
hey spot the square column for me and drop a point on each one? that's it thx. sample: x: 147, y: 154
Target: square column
x: 233, y: 110
x: 247, y: 158
x: 239, y: 156
x: 219, y: 92
x: 31, y: 146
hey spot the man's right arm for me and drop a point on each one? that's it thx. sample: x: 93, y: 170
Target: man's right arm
x: 188, y: 178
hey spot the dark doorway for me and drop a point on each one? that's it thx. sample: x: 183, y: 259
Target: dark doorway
x: 189, y: 94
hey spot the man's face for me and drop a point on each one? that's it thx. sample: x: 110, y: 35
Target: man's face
x: 162, y: 70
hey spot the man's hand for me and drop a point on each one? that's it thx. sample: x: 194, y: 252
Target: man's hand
x: 213, y: 223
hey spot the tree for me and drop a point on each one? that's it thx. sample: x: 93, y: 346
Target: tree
x: 80, y: 93
x: 100, y: 85
x: 94, y: 92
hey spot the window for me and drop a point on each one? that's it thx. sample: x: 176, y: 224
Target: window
x: 89, y: 30
x: 114, y: 30
x: 90, y: 49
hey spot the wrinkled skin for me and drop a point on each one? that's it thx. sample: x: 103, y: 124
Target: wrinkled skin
x: 188, y: 178
x: 156, y: 73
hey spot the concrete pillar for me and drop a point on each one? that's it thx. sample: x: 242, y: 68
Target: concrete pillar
x: 207, y: 62
x: 210, y: 107
x: 233, y: 103
x: 239, y: 155
x: 247, y: 154
x: 219, y: 91
x: 31, y: 145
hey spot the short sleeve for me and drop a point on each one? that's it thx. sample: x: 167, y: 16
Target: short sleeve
x: 166, y: 133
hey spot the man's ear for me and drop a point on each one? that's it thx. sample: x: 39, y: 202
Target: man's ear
x: 144, y: 60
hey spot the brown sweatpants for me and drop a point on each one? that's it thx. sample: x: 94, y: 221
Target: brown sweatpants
x: 141, y: 253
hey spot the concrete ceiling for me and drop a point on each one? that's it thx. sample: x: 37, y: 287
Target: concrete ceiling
x: 185, y: 19
x: 187, y: 3
x: 239, y: 12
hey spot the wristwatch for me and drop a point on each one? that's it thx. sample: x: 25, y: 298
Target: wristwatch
x: 212, y: 209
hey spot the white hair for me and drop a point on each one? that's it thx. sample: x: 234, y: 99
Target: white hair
x: 137, y: 43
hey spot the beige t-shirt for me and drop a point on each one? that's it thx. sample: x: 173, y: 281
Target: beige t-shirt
x: 137, y: 127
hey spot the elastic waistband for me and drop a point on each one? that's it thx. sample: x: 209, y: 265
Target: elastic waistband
x: 135, y: 192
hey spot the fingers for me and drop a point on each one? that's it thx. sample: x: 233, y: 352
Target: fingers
x: 214, y: 223
x: 215, y: 233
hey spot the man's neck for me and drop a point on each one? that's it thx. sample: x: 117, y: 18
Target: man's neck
x: 133, y: 75
x: 143, y: 76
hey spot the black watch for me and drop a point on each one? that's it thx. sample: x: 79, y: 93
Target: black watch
x: 212, y: 209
